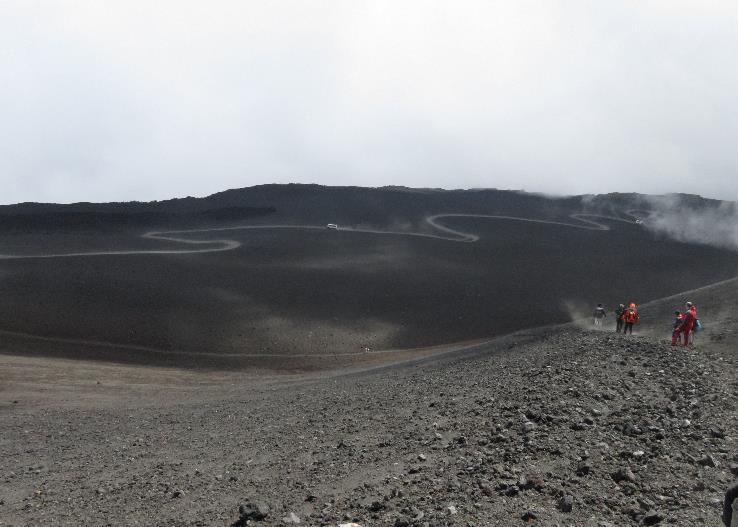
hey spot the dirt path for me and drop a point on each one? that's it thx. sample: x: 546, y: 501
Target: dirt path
x: 452, y: 235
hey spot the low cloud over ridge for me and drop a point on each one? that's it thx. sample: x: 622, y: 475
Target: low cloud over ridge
x: 713, y: 224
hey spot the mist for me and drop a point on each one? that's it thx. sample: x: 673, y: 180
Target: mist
x: 115, y: 101
x: 713, y: 224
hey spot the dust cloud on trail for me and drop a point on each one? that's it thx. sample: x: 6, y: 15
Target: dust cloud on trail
x: 582, y: 316
x: 713, y: 224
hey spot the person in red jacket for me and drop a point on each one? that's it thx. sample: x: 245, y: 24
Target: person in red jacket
x: 695, y: 328
x: 690, y: 316
x: 630, y: 317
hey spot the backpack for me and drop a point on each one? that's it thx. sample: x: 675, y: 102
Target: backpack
x: 698, y: 325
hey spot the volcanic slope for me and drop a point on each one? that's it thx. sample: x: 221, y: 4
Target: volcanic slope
x: 307, y: 298
x: 550, y: 426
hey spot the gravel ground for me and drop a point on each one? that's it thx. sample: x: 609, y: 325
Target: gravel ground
x: 568, y: 427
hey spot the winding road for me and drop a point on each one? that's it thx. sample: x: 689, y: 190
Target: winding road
x: 584, y: 221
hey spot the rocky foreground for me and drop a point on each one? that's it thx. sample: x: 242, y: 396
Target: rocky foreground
x: 570, y: 428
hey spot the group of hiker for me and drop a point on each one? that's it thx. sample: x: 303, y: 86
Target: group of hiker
x: 625, y: 318
x: 683, y: 328
x: 685, y: 325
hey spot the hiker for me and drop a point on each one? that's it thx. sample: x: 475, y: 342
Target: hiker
x: 697, y: 325
x: 675, y: 331
x: 619, y: 312
x: 630, y: 318
x: 688, y: 322
x: 599, y: 314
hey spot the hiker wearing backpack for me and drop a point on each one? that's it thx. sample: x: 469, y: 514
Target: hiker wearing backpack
x: 697, y: 324
x: 675, y: 333
x: 630, y: 318
x: 619, y: 313
x: 599, y: 314
x: 688, y: 323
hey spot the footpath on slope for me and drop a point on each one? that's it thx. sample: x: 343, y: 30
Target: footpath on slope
x: 575, y: 427
x: 584, y: 221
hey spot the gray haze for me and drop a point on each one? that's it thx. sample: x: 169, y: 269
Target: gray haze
x: 715, y: 225
x: 121, y: 100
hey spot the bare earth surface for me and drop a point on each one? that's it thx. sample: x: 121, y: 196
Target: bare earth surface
x: 306, y: 376
x: 628, y: 429
x: 296, y: 298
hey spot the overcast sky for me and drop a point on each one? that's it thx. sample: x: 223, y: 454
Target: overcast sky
x: 120, y: 100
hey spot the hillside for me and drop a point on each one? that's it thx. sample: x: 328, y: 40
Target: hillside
x: 557, y: 426
x: 520, y: 414
x: 250, y: 279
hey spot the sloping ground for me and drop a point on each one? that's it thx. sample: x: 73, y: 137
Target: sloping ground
x: 296, y: 300
x: 717, y: 307
x: 627, y: 430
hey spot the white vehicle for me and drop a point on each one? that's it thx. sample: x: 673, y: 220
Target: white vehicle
x: 331, y: 226
x: 639, y: 222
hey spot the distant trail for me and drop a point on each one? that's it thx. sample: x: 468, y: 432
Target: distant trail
x: 585, y: 222
x: 460, y: 236
x: 176, y: 353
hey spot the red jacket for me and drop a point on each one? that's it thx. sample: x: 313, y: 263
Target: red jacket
x: 631, y: 316
x: 689, y: 320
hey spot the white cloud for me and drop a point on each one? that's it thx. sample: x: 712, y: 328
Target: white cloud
x: 675, y: 217
x: 138, y: 100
